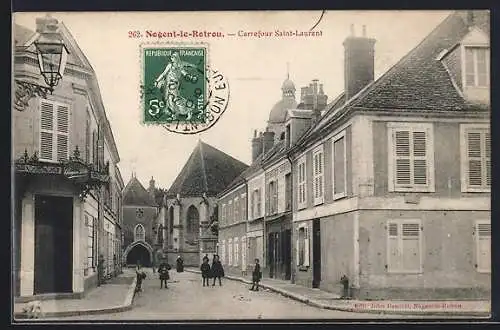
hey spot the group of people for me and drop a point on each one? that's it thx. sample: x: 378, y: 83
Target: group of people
x: 215, y: 271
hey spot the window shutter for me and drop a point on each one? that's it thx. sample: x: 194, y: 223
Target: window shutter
x: 474, y: 158
x: 46, y: 130
x: 62, y: 132
x: 306, y: 247
x: 393, y: 263
x: 243, y: 251
x: 94, y: 147
x: 339, y: 166
x: 100, y: 147
x: 411, y: 246
x: 402, y: 146
x: 420, y: 158
x: 484, y: 246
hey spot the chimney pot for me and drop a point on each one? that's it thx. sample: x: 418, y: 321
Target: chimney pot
x: 352, y: 30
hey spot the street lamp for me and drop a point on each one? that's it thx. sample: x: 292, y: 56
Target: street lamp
x: 52, y: 58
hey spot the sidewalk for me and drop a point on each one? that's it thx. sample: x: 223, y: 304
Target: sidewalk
x: 115, y: 296
x: 326, y: 300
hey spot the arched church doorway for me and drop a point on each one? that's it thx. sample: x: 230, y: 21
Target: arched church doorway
x: 192, y: 225
x: 139, y: 253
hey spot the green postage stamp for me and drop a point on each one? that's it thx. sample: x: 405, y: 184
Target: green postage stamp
x: 179, y: 89
x: 175, y: 84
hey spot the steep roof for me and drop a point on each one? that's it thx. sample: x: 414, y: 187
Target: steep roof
x: 134, y: 193
x: 418, y: 81
x: 207, y: 170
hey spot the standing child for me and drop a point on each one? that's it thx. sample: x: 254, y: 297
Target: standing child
x: 205, y: 271
x: 217, y: 270
x: 140, y: 277
x: 256, y: 276
x: 164, y: 276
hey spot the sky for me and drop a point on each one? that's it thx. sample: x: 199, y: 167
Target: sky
x: 255, y: 68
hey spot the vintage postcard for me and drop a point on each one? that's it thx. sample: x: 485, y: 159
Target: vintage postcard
x: 259, y: 165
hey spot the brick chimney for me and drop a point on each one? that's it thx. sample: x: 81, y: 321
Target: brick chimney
x: 267, y: 141
x: 358, y: 62
x: 256, y: 145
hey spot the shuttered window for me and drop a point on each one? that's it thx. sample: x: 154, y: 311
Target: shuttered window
x: 272, y: 197
x: 339, y: 166
x: 483, y: 246
x: 54, y: 131
x: 404, y: 246
x: 236, y: 251
x: 411, y: 157
x: 223, y: 252
x: 301, y: 180
x: 243, y: 201
x: 230, y: 251
x: 476, y: 158
x: 88, y: 141
x: 223, y: 214
x: 318, y: 175
x: 230, y: 211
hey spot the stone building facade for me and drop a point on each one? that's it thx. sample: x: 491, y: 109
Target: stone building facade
x: 67, y: 186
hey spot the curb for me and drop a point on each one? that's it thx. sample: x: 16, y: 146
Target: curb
x: 321, y: 305
x: 127, y: 305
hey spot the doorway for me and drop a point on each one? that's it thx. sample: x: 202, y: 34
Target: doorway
x: 287, y: 253
x: 316, y: 253
x: 53, y: 244
x: 139, y: 253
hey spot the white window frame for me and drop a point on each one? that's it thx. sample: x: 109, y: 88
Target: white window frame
x: 223, y: 214
x: 337, y: 137
x: 230, y: 211
x: 476, y: 76
x: 230, y: 251
x: 273, y: 196
x: 236, y: 250
x: 223, y: 251
x: 464, y: 163
x: 136, y: 238
x: 243, y: 202
x: 320, y: 175
x: 400, y: 223
x: 54, y: 132
x: 236, y: 209
x: 411, y: 127
x: 476, y: 243
x: 302, y: 183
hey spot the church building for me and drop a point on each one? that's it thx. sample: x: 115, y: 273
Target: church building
x: 190, y: 204
x: 139, y: 215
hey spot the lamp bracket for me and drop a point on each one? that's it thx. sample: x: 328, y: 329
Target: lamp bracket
x: 25, y: 91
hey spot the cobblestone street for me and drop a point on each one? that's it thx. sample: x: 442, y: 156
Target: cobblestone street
x: 187, y: 299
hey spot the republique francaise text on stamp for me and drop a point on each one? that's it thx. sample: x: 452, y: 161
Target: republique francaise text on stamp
x: 179, y: 90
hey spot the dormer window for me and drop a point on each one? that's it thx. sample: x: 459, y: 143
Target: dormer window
x: 477, y: 66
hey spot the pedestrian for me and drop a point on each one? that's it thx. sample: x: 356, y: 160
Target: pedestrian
x: 256, y: 276
x: 180, y: 264
x: 205, y: 271
x: 217, y: 270
x: 164, y: 275
x: 140, y: 277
